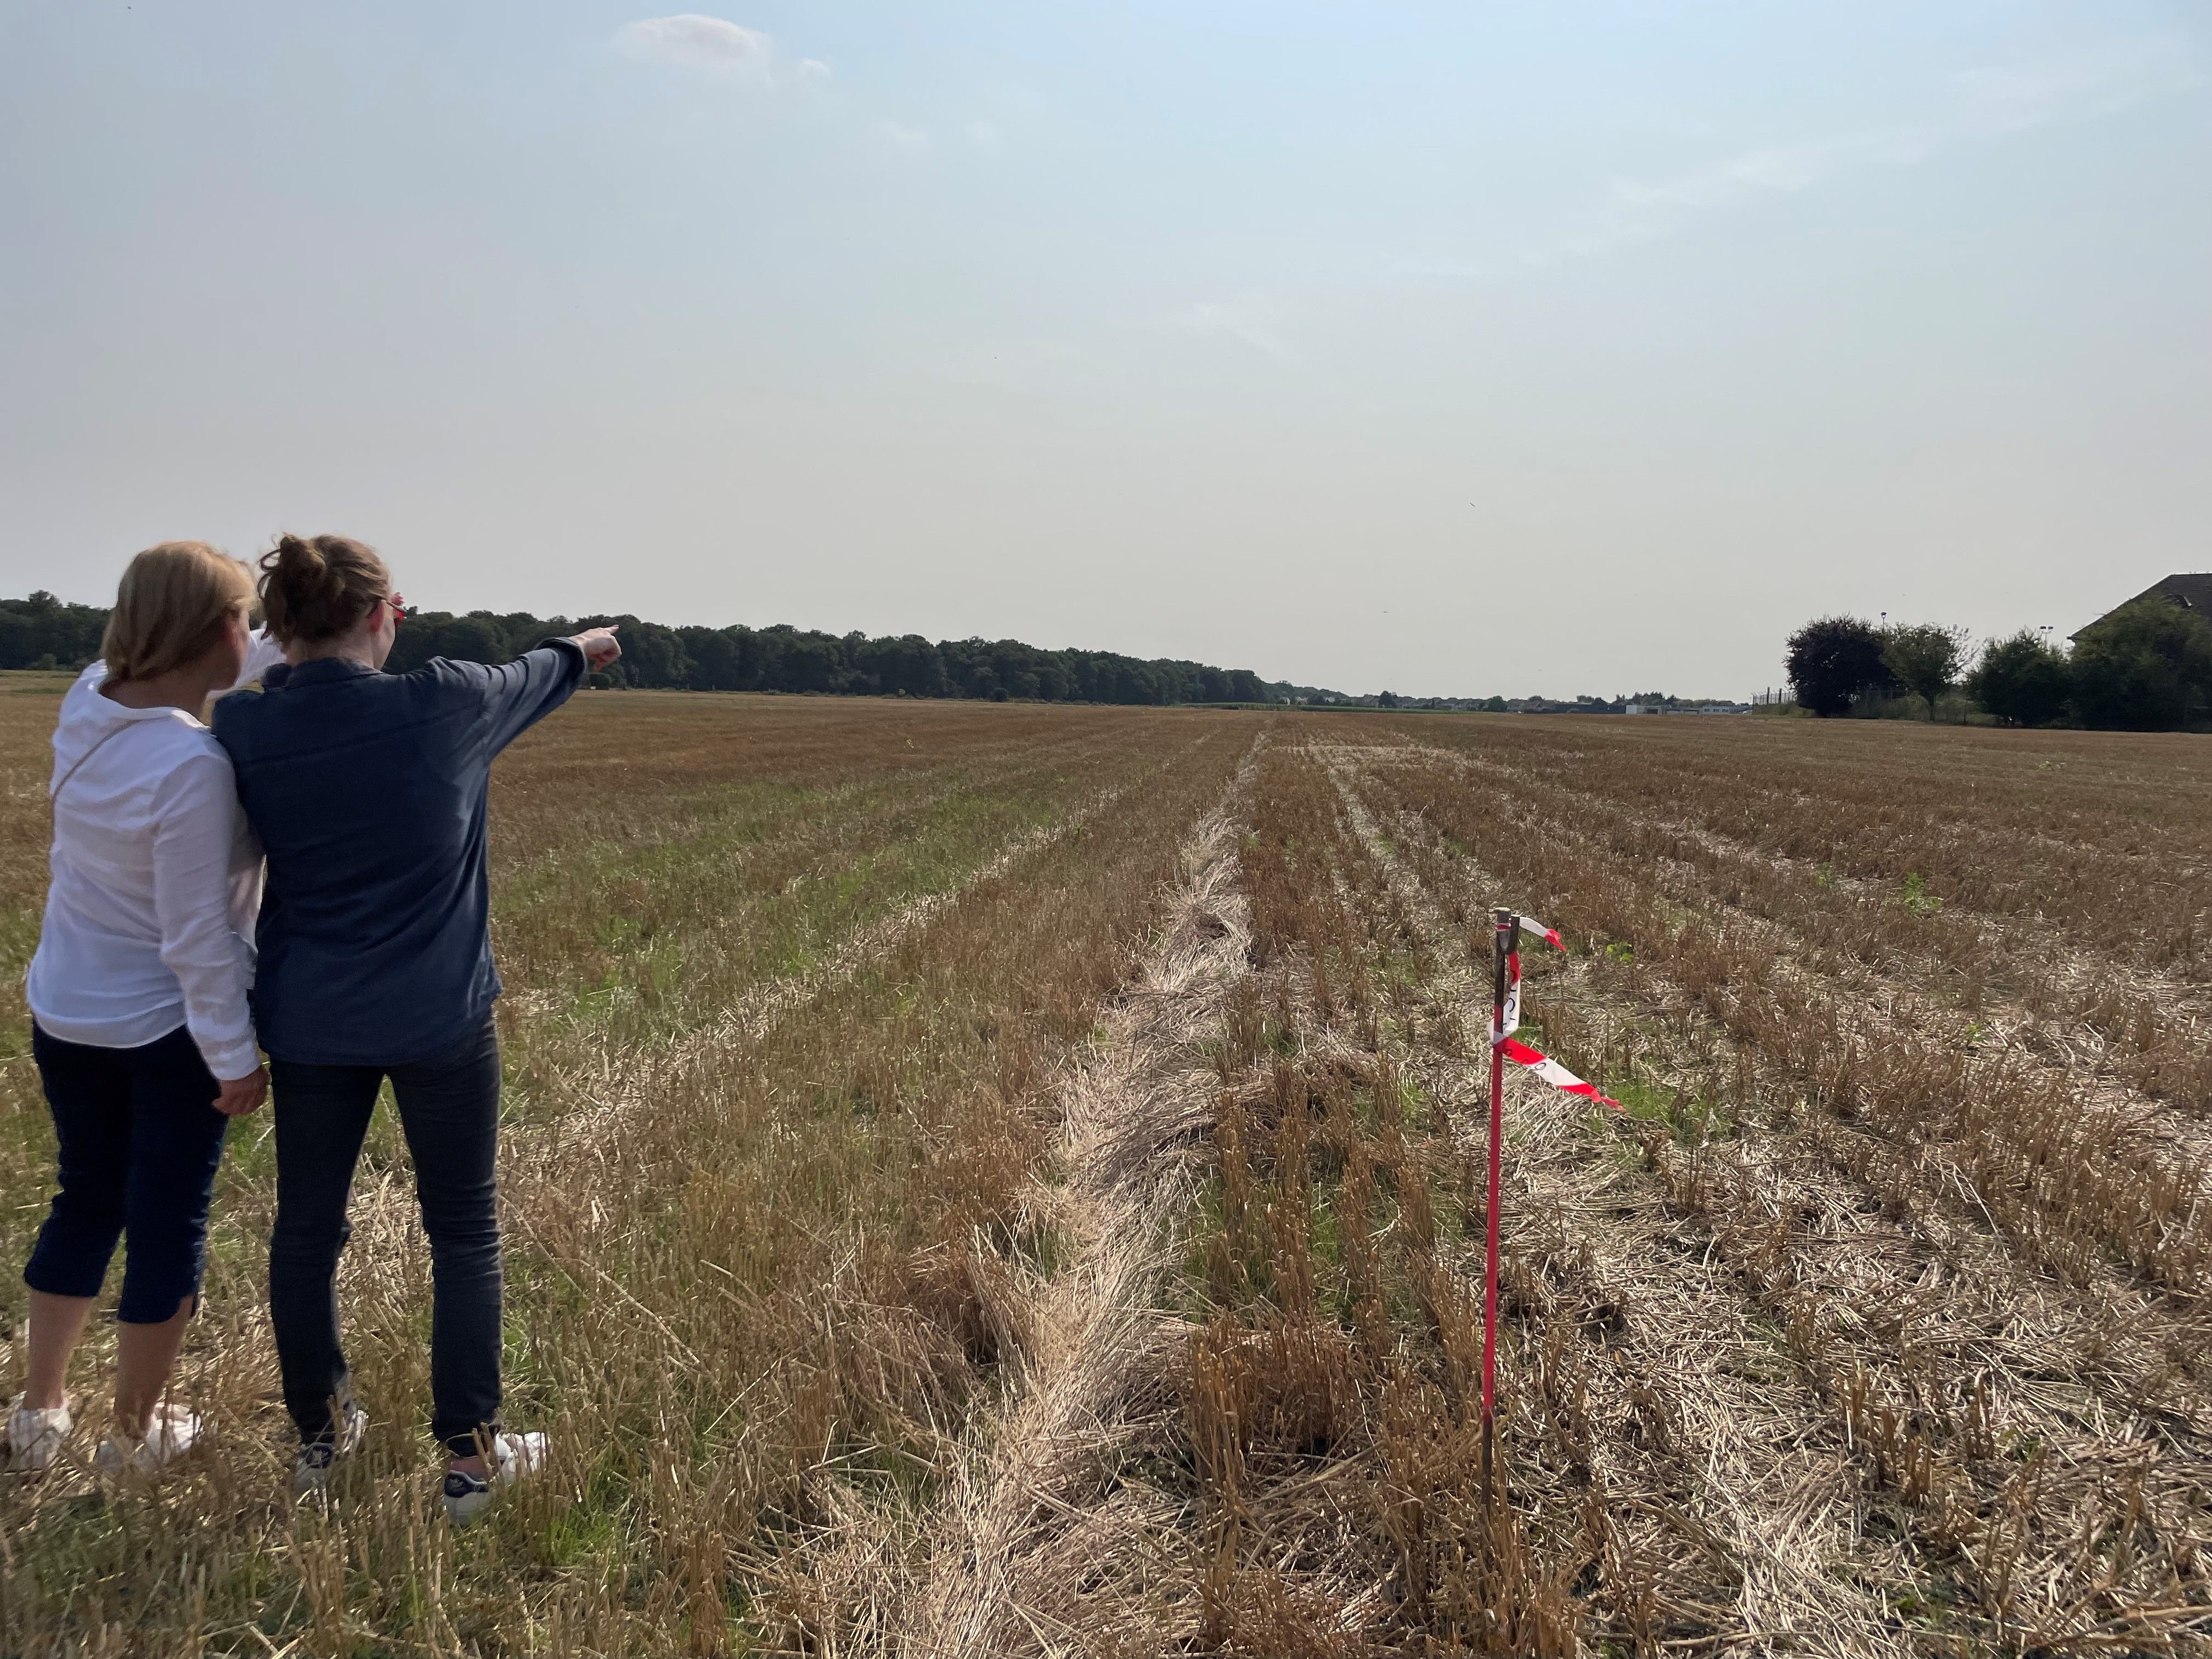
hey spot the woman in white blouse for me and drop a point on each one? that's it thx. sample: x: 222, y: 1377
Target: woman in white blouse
x: 138, y: 994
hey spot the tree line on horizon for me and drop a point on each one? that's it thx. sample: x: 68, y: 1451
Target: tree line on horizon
x: 2145, y: 667
x: 42, y: 631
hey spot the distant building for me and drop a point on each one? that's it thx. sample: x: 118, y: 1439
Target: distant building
x: 2189, y: 593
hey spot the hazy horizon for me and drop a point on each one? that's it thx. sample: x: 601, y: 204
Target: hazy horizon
x: 1548, y: 351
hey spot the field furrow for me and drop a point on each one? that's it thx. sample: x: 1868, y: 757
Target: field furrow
x: 1771, y: 1487
x: 1932, y: 1353
x: 1031, y: 1551
x: 2105, y: 841
x: 2068, y: 1184
x: 2070, y: 996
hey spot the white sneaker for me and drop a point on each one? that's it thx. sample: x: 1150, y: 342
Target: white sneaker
x: 311, y: 1464
x: 170, y: 1433
x: 35, y: 1435
x: 512, y: 1457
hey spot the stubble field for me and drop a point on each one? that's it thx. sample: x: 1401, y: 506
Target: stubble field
x: 1004, y: 1180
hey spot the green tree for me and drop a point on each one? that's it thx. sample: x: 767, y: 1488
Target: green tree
x: 1923, y: 658
x: 41, y: 630
x: 476, y: 637
x: 2022, y: 681
x: 2147, y: 667
x: 1832, y: 659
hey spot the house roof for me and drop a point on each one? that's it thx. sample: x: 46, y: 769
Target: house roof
x: 2194, y: 593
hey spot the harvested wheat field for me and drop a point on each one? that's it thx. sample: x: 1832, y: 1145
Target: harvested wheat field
x: 995, y: 1180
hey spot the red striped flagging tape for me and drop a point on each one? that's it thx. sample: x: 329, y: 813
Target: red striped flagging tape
x: 1505, y: 1020
x: 1552, y: 1072
x: 1549, y: 935
x: 1521, y: 1053
x: 1504, y: 1015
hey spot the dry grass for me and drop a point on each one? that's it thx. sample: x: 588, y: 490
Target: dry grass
x: 1007, y: 1181
x: 751, y: 1262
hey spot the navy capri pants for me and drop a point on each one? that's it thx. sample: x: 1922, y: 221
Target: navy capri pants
x: 140, y: 1139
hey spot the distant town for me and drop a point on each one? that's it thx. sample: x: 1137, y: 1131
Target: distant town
x: 1648, y: 702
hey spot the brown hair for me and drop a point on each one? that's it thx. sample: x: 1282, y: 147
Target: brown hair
x: 317, y: 588
x: 170, y: 608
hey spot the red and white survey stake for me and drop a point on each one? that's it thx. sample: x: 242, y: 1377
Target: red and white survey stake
x: 1505, y: 1020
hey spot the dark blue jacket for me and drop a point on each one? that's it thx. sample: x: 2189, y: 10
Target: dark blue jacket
x: 368, y: 790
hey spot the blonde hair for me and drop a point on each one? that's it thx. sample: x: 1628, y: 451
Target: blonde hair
x: 171, y: 609
x: 318, y: 587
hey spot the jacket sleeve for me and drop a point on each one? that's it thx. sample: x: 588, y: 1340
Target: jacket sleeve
x: 197, y: 824
x: 523, y: 692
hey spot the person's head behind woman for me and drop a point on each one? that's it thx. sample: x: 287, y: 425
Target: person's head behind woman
x: 322, y: 593
x: 177, y: 604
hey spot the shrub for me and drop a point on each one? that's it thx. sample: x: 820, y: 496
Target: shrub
x: 2022, y: 681
x: 2147, y: 667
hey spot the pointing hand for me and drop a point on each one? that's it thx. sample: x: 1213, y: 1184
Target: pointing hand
x: 600, y: 645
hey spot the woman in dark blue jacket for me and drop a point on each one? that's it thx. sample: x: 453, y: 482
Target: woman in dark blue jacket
x: 369, y: 791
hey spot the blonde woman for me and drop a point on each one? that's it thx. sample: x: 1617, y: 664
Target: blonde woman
x: 138, y: 995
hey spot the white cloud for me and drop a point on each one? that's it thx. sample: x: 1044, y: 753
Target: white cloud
x: 2113, y: 76
x: 1983, y: 105
x: 1781, y: 169
x: 713, y: 46
x: 983, y: 132
x: 1251, y: 319
x: 905, y: 137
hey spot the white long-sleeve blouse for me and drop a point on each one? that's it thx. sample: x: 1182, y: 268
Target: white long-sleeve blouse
x: 156, y: 881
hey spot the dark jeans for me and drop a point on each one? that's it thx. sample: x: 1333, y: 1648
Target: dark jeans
x: 139, y: 1139
x: 449, y: 1110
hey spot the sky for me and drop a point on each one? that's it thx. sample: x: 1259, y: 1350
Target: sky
x: 1451, y: 350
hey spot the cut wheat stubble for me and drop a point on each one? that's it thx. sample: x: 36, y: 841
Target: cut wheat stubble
x: 1032, y: 1541
x: 627, y: 1083
x: 386, y: 1237
x: 1943, y: 1323
x: 1773, y: 1487
x: 2014, y: 1132
x: 2073, y: 1001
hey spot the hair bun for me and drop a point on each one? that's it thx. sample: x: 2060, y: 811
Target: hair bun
x: 317, y: 588
x: 300, y: 560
